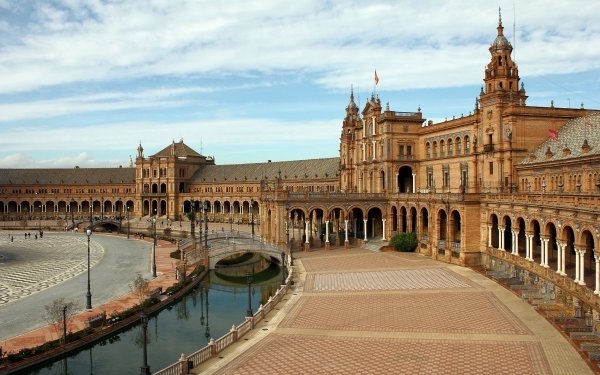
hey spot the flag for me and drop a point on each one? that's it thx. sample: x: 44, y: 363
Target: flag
x: 552, y: 134
x: 376, y: 77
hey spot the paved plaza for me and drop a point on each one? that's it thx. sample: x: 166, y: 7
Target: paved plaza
x: 359, y: 312
x: 32, y: 265
x: 33, y: 273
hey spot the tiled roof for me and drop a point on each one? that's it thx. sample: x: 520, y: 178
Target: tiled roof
x: 181, y: 149
x: 78, y: 176
x: 572, y: 137
x: 290, y: 170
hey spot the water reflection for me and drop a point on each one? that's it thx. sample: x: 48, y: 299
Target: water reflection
x: 184, y: 328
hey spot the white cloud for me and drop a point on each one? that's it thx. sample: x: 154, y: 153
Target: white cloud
x: 121, y: 139
x: 77, y: 42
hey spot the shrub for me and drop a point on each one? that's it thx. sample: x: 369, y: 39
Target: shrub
x: 405, y: 242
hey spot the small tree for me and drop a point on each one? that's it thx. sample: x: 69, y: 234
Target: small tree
x: 405, y: 242
x: 140, y: 287
x: 59, y: 315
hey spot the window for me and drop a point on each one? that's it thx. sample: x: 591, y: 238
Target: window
x: 491, y: 167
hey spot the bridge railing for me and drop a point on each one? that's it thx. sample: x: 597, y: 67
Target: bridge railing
x: 214, y: 347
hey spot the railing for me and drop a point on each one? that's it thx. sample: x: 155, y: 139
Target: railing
x: 186, y: 363
x: 488, y: 147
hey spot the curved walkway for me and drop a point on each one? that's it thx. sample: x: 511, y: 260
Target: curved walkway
x: 21, y: 322
x: 355, y: 311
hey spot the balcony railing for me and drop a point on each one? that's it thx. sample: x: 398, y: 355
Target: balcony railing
x: 488, y: 148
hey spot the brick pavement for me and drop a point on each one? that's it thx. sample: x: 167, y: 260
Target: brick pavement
x: 358, y: 312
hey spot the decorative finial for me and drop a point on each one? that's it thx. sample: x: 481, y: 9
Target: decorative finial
x: 499, y: 15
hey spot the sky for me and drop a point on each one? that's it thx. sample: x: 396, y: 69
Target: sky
x: 84, y: 82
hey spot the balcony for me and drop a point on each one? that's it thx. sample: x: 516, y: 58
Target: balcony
x: 488, y: 148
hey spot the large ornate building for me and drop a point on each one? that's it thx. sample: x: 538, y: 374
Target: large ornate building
x: 507, y: 184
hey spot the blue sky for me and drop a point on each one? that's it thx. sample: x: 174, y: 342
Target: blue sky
x: 83, y: 82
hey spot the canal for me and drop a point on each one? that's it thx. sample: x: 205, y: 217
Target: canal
x: 208, y: 311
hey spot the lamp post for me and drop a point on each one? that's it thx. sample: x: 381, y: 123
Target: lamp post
x: 145, y: 369
x: 283, y: 269
x: 200, y: 223
x: 154, y: 246
x: 128, y: 226
x: 249, y: 281
x: 205, y: 208
x: 91, y: 212
x: 72, y: 218
x: 88, y: 303
x: 252, y: 215
x: 192, y: 223
x: 64, y: 324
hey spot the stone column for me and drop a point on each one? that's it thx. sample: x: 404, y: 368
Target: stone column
x: 306, y: 234
x: 500, y: 230
x: 327, y: 234
x: 489, y: 236
x: 558, y: 257
x: 397, y: 184
x: 545, y: 252
x: 502, y: 247
x: 346, y: 241
x: 383, y: 237
x: 527, y: 248
x: 414, y: 183
x: 577, y: 281
x: 515, y: 242
x: 582, y: 266
x: 597, y: 291
x: 365, y: 228
x: 564, y: 256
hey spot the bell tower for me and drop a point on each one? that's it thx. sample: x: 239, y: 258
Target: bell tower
x: 351, y: 126
x: 501, y: 81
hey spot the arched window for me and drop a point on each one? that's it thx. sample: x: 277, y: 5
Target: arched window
x: 428, y: 150
x: 467, y: 144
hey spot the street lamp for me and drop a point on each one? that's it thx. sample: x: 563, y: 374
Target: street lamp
x: 128, y: 226
x: 249, y: 281
x: 145, y: 369
x: 72, y: 218
x: 192, y: 223
x: 252, y: 215
x: 205, y: 208
x: 154, y: 246
x: 88, y: 304
x: 283, y: 267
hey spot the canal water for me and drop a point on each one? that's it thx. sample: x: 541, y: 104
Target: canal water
x: 210, y: 310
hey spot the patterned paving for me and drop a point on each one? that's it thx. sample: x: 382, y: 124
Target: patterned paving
x: 343, y: 262
x: 475, y: 312
x: 427, y: 278
x: 294, y: 354
x: 29, y: 266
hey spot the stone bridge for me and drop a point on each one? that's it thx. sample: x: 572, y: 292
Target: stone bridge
x: 226, y: 243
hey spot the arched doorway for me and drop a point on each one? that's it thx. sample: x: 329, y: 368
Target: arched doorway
x: 405, y: 180
x: 403, y: 219
x: 413, y: 219
x: 374, y: 223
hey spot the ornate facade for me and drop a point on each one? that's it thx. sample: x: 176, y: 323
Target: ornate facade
x: 488, y: 186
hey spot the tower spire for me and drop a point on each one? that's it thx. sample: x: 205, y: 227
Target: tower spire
x: 499, y: 16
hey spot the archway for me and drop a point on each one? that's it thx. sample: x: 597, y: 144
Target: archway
x: 405, y: 180
x: 587, y: 245
x: 536, y: 242
x: 424, y: 224
x: 394, y: 219
x: 552, y: 248
x: 442, y: 221
x: 413, y: 221
x: 403, y: 219
x: 508, y: 245
x: 521, y: 236
x: 568, y: 236
x: 374, y: 223
x: 356, y: 223
x: 494, y: 241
